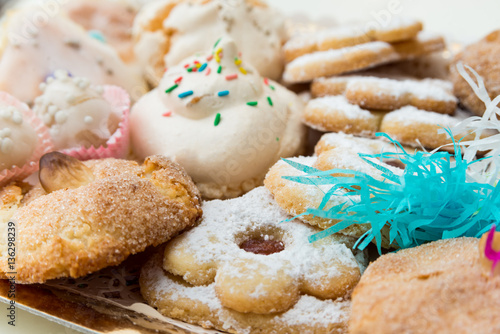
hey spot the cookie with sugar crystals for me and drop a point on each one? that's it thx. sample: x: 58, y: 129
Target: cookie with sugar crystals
x: 399, y: 29
x: 362, y: 56
x: 442, y: 282
x: 85, y: 216
x: 245, y: 269
x: 378, y: 93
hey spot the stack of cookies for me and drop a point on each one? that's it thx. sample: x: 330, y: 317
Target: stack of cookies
x: 409, y: 109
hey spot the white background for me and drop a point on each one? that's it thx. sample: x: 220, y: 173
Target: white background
x: 459, y: 20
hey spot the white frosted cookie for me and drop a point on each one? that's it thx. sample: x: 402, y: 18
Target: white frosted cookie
x: 377, y: 93
x: 168, y: 31
x: 362, y: 56
x: 64, y: 45
x: 245, y: 270
x: 217, y: 117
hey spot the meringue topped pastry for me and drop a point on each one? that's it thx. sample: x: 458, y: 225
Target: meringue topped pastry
x: 75, y: 112
x: 216, y: 116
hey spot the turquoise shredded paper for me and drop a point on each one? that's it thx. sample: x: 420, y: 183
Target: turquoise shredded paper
x: 432, y: 199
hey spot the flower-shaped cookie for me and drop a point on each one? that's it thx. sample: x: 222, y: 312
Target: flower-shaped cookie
x: 260, y: 264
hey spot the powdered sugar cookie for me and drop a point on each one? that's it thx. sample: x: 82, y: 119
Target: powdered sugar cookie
x: 419, y: 128
x: 84, y: 216
x: 362, y: 56
x: 482, y: 56
x: 335, y: 113
x: 441, y: 282
x: 398, y: 29
x: 335, y: 150
x: 244, y: 270
x: 377, y: 93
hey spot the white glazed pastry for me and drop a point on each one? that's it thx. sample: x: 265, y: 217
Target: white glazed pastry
x: 75, y: 112
x: 18, y: 139
x: 107, y: 20
x: 168, y: 31
x: 218, y: 118
x: 35, y: 42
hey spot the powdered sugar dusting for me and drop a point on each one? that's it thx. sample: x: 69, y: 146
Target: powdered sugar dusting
x: 408, y: 115
x: 339, y: 104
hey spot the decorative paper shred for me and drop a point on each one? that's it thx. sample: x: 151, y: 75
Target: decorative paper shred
x: 433, y: 199
x: 487, y: 170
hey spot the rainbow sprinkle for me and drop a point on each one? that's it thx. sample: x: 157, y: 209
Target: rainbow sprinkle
x: 210, y: 57
x: 203, y: 67
x: 167, y: 114
x: 219, y: 69
x: 208, y: 71
x: 242, y: 70
x: 270, y: 101
x: 178, y: 80
x: 237, y: 61
x: 185, y: 94
x: 190, y: 69
x: 252, y: 103
x: 217, y: 119
x: 223, y: 93
x: 217, y: 43
x: 171, y: 88
x: 231, y: 76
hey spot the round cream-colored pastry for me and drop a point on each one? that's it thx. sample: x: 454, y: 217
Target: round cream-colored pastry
x: 226, y: 129
x: 75, y: 112
x: 246, y: 259
x: 438, y: 287
x: 18, y: 139
x: 36, y: 42
x: 334, y: 151
x: 84, y: 216
x: 111, y: 20
x: 168, y: 31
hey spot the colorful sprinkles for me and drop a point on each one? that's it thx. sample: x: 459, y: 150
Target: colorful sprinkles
x: 223, y: 93
x: 167, y: 114
x: 219, y: 69
x: 270, y: 101
x: 231, y: 77
x: 252, y: 103
x: 171, y: 88
x: 185, y: 94
x: 217, y: 119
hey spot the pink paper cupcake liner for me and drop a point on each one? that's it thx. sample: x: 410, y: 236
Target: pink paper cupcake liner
x: 118, y: 144
x: 44, y: 144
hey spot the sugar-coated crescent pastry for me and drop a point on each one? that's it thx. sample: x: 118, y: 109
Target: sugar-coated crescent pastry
x: 64, y: 45
x: 83, y: 217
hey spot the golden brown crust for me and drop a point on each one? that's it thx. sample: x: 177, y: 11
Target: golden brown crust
x: 483, y: 58
x: 434, y: 288
x: 73, y: 232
